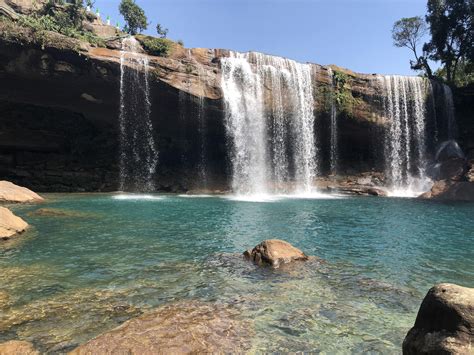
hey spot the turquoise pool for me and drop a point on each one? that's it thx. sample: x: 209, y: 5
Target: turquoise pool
x: 108, y: 258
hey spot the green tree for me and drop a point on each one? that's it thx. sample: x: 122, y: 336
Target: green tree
x: 134, y: 17
x: 451, y: 28
x: 162, y: 32
x: 409, y: 32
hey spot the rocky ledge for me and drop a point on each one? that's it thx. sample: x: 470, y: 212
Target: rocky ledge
x: 10, y: 225
x: 444, y: 324
x: 455, y: 181
x: 182, y: 328
x: 11, y: 193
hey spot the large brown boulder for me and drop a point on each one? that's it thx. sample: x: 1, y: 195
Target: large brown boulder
x: 16, y: 347
x: 452, y: 169
x: 275, y: 252
x: 182, y: 328
x: 10, y: 192
x: 445, y: 322
x: 10, y: 225
x: 451, y: 191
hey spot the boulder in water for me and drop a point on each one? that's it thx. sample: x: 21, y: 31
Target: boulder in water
x: 185, y: 327
x: 445, y: 322
x: 10, y: 192
x: 16, y: 347
x: 275, y: 252
x: 10, y: 225
x: 451, y: 191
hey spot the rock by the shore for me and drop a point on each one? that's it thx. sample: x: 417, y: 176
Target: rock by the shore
x: 16, y: 347
x: 4, y: 299
x: 12, y: 193
x: 10, y: 225
x: 451, y: 191
x: 275, y: 252
x: 445, y: 322
x: 186, y: 327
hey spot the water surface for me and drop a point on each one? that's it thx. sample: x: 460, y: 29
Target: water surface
x: 111, y: 257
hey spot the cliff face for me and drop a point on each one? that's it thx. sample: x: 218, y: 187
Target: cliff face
x: 59, y: 114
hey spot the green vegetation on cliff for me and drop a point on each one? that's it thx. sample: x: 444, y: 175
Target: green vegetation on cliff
x: 160, y: 47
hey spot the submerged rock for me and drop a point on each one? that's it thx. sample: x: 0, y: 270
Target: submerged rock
x: 16, y: 347
x: 4, y: 299
x: 275, y: 252
x: 445, y: 322
x: 10, y: 225
x: 187, y: 327
x: 10, y: 192
x: 56, y: 212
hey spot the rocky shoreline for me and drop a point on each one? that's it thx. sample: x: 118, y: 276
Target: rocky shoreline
x: 444, y: 323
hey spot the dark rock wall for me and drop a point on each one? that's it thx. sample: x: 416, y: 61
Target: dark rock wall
x: 59, y: 118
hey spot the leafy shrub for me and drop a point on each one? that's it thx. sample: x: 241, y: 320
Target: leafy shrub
x: 345, y: 101
x: 160, y: 47
x: 59, y: 25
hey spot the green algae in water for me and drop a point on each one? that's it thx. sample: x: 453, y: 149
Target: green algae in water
x: 72, y: 278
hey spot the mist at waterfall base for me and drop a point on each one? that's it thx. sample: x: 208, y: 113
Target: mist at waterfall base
x: 71, y: 278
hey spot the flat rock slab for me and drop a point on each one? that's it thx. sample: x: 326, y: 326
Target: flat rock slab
x: 10, y: 225
x: 16, y: 347
x: 275, y: 252
x: 10, y: 192
x: 445, y: 322
x: 181, y: 328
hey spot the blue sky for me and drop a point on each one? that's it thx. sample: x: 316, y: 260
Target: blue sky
x: 355, y: 34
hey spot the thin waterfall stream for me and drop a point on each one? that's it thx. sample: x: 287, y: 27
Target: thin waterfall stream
x: 138, y: 152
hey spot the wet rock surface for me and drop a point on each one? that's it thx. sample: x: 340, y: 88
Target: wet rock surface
x: 10, y: 225
x: 451, y: 191
x: 445, y: 322
x: 16, y: 347
x: 10, y: 192
x: 186, y: 327
x: 275, y: 252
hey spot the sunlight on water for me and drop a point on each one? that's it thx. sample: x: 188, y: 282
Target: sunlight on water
x: 137, y: 197
x: 196, y: 196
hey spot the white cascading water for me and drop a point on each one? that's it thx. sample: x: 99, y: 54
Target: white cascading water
x: 449, y: 112
x: 138, y: 154
x: 201, y: 115
x: 405, y: 142
x: 333, y: 164
x: 271, y: 124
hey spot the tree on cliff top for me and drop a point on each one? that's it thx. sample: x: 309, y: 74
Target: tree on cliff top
x: 450, y: 24
x: 134, y: 17
x: 409, y: 32
x: 452, y: 34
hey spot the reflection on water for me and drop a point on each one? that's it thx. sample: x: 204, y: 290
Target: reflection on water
x: 72, y: 278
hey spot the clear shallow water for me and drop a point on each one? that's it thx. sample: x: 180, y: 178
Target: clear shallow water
x: 73, y: 277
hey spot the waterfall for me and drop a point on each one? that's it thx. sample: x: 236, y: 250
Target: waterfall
x: 138, y: 154
x: 334, y: 138
x: 202, y: 128
x: 270, y: 123
x: 449, y: 112
x: 405, y: 101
